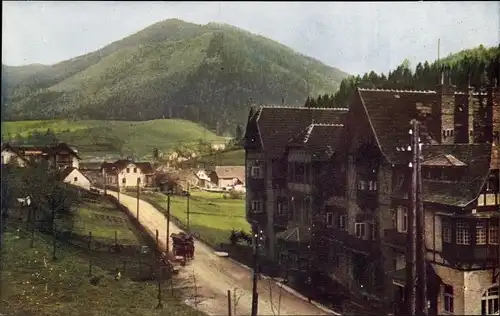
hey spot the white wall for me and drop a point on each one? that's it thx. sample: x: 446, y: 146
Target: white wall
x: 131, y: 176
x: 9, y: 156
x: 78, y: 179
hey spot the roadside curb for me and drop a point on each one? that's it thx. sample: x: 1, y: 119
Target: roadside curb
x: 288, y: 289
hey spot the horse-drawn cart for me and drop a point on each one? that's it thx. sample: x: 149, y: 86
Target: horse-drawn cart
x: 183, y: 246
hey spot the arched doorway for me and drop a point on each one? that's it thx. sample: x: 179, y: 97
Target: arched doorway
x: 489, y: 301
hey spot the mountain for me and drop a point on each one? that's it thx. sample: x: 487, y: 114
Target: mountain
x: 208, y: 73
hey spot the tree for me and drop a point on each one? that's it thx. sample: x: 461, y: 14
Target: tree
x: 238, y: 133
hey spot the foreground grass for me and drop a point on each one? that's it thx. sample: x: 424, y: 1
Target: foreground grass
x: 211, y: 216
x: 139, y: 138
x: 33, y: 284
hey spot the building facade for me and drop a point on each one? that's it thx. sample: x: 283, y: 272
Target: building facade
x: 329, y: 188
x: 125, y: 174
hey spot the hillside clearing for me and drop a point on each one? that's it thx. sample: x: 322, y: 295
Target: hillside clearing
x: 233, y: 157
x: 119, y: 138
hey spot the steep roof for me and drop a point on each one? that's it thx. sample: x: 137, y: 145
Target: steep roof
x: 230, y: 172
x: 444, y: 160
x: 66, y: 172
x: 475, y: 159
x: 121, y: 164
x: 276, y: 125
x: 390, y: 113
x: 321, y: 140
x: 25, y: 149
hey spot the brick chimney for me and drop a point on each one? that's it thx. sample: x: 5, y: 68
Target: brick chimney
x: 493, y: 105
x: 445, y: 110
x: 471, y: 108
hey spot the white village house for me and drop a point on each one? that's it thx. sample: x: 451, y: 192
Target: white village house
x: 127, y: 173
x: 59, y: 155
x: 75, y: 177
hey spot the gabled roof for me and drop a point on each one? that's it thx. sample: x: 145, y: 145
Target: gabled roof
x: 230, y: 172
x: 390, y: 113
x: 321, y: 140
x: 444, y: 160
x: 476, y: 157
x: 66, y: 172
x: 121, y: 164
x: 276, y: 125
x: 40, y: 150
x: 296, y: 234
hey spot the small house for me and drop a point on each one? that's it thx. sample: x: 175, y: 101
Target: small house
x: 75, y: 177
x: 228, y: 176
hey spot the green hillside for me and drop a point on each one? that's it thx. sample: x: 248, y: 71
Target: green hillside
x: 118, y: 138
x: 207, y: 73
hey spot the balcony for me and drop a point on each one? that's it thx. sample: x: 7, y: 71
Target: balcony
x: 486, y: 255
x: 395, y: 238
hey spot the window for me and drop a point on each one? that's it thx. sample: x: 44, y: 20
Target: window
x: 360, y: 230
x: 75, y: 179
x: 448, y: 298
x: 138, y: 180
x: 493, y: 232
x: 361, y: 185
x: 281, y: 207
x: 329, y: 219
x: 343, y: 222
x: 489, y: 302
x: 480, y: 233
x: 255, y: 206
x: 128, y: 170
x: 135, y: 170
x: 372, y: 185
x: 299, y: 172
x: 463, y: 235
x: 124, y: 181
x: 256, y: 172
x: 446, y: 232
x: 402, y: 218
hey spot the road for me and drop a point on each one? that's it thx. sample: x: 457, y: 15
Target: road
x: 215, y: 275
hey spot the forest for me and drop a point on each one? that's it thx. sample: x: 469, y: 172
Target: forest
x: 476, y: 67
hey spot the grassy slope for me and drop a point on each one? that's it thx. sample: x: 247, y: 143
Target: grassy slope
x: 210, y: 215
x: 33, y: 284
x: 91, y: 136
x: 234, y: 157
x: 170, y: 65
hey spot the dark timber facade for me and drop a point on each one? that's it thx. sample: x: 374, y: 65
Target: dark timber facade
x: 329, y: 188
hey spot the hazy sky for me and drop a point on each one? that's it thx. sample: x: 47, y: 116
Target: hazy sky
x: 355, y: 37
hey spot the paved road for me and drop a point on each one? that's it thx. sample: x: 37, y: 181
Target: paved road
x: 215, y: 275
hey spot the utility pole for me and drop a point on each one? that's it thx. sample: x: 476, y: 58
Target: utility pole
x: 168, y: 222
x: 138, y: 180
x: 187, y: 205
x: 421, y: 252
x: 255, y: 295
x: 53, y: 234
x: 411, y: 272
x: 105, y: 182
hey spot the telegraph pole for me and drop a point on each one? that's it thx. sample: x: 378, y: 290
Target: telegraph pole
x: 138, y: 179
x: 168, y: 221
x: 255, y: 295
x: 421, y: 252
x: 411, y: 272
x: 187, y: 205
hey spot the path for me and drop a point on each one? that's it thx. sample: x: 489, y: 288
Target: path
x: 215, y: 275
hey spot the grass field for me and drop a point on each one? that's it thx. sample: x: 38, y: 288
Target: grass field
x: 33, y: 284
x: 211, y: 216
x: 92, y: 137
x: 235, y: 157
x: 103, y: 220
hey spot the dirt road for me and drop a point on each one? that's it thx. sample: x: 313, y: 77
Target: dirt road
x: 215, y: 275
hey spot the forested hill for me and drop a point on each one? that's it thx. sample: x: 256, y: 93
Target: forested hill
x: 479, y: 66
x: 205, y: 73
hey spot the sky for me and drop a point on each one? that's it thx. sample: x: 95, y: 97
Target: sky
x: 355, y: 37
